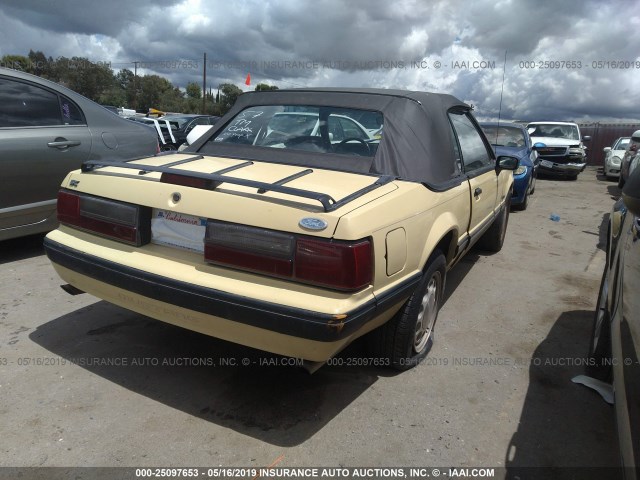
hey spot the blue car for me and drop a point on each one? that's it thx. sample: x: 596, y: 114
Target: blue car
x: 512, y: 139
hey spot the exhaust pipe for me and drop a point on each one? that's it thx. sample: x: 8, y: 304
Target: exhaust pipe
x: 71, y: 290
x: 312, y: 367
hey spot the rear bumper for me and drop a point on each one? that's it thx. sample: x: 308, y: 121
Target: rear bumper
x: 267, y: 326
x: 612, y: 172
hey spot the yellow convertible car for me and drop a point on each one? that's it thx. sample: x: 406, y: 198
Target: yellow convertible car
x: 290, y: 227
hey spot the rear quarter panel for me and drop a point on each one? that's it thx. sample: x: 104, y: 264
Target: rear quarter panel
x: 426, y: 217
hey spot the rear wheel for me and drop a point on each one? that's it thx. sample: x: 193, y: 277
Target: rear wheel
x: 407, y: 338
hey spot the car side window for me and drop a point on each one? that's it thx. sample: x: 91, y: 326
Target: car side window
x: 475, y: 154
x: 335, y: 128
x: 456, y: 152
x: 24, y: 105
x: 350, y: 129
x: 71, y: 113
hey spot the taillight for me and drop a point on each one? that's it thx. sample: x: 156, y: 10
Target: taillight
x: 344, y: 265
x: 249, y: 248
x: 335, y: 264
x: 120, y: 221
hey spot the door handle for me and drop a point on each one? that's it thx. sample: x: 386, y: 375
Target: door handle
x: 62, y: 143
x: 477, y: 192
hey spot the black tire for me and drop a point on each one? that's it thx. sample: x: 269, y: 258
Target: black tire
x: 493, y: 238
x: 524, y: 204
x: 407, y: 338
x: 533, y: 186
x: 599, y: 365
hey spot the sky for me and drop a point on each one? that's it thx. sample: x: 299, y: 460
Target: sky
x: 568, y: 60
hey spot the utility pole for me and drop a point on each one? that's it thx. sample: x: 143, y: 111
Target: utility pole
x: 204, y: 85
x: 135, y: 85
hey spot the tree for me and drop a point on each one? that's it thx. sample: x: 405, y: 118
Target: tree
x: 83, y: 76
x: 193, y: 90
x: 125, y: 81
x: 124, y: 78
x: 263, y: 87
x: 114, y: 96
x: 16, y: 62
x: 172, y: 101
x: 229, y: 93
x: 152, y: 89
x: 40, y: 64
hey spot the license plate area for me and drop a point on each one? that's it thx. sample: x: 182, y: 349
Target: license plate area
x: 178, y: 230
x: 546, y: 163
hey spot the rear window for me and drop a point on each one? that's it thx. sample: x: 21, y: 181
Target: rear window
x: 26, y: 105
x: 504, y: 136
x: 328, y: 130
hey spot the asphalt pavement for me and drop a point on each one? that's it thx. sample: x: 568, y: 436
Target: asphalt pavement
x: 86, y: 383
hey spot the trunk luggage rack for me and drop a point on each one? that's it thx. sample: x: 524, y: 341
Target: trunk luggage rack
x: 214, y: 179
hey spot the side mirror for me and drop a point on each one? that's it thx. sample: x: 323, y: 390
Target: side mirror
x: 538, y: 145
x: 631, y: 193
x: 586, y: 138
x: 507, y: 162
x: 606, y: 149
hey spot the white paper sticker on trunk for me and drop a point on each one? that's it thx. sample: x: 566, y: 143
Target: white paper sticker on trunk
x: 178, y: 230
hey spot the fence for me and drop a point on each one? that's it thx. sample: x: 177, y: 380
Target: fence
x: 603, y: 135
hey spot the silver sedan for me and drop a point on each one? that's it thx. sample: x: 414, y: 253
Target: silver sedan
x: 47, y: 130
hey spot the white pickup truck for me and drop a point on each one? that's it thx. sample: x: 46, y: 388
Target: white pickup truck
x: 564, y: 153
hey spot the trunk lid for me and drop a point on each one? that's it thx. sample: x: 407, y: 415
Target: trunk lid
x: 260, y: 194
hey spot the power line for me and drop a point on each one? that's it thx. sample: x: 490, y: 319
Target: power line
x: 228, y: 66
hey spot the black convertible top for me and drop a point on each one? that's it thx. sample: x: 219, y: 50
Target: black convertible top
x: 417, y: 143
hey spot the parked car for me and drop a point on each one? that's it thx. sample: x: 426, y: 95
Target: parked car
x: 300, y: 249
x: 195, y: 133
x: 613, y: 157
x: 47, y: 130
x: 111, y: 108
x: 630, y: 158
x: 615, y: 343
x: 167, y: 141
x: 564, y: 154
x: 181, y: 125
x: 513, y: 139
x: 346, y: 135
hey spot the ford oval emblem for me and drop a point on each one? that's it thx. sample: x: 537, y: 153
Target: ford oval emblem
x: 311, y: 223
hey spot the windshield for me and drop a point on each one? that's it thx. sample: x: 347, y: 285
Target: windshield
x: 621, y: 144
x: 505, y: 136
x: 330, y: 130
x: 292, y: 123
x: 569, y: 132
x: 177, y: 122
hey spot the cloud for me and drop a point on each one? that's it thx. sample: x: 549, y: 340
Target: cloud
x: 362, y: 43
